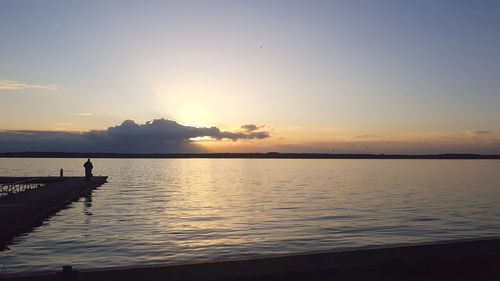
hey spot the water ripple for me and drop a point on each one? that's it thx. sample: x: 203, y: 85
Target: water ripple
x: 176, y: 210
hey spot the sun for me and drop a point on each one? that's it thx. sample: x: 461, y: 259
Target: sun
x: 201, y: 139
x: 194, y: 114
x: 189, y: 102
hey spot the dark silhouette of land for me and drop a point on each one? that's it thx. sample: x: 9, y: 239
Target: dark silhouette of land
x: 268, y: 155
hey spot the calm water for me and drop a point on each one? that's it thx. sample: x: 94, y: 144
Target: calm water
x: 175, y: 210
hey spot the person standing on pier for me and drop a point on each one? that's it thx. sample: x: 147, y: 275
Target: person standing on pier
x: 88, y: 169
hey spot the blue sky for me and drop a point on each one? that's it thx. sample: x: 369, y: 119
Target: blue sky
x: 411, y: 76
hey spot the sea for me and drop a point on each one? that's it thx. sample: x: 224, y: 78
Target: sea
x: 169, y: 211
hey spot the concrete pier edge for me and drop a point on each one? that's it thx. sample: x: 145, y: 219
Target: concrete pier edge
x: 34, y: 206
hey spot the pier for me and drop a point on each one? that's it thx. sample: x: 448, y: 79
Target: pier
x: 26, y: 201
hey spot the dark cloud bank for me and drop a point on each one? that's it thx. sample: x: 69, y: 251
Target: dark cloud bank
x: 157, y: 136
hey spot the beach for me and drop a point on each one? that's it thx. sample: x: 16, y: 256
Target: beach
x: 452, y: 260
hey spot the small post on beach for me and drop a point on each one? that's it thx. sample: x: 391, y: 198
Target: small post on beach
x: 67, y: 272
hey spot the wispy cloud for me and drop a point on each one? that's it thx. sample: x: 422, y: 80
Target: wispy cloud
x: 81, y: 114
x: 482, y: 132
x: 16, y: 85
x: 366, y: 136
x: 252, y: 128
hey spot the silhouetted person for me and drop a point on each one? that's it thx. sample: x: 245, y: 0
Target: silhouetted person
x: 61, y: 173
x: 88, y: 169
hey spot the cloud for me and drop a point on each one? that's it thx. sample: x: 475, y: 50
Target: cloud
x: 482, y: 132
x: 81, y: 114
x: 366, y: 136
x: 15, y: 85
x: 156, y: 136
x: 251, y: 127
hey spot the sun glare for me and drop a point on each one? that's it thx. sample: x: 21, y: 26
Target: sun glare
x: 193, y: 114
x: 199, y: 139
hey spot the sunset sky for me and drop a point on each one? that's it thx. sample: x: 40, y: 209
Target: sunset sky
x: 303, y: 76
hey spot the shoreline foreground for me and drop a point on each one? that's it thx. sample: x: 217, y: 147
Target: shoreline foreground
x: 470, y: 259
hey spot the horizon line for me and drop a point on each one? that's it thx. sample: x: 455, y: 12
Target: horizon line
x: 250, y: 155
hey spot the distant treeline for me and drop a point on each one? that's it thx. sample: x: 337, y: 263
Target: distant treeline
x: 269, y: 155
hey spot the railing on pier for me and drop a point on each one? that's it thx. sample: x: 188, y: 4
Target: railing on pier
x: 19, y: 186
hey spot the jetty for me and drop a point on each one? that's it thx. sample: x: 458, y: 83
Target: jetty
x: 26, y: 201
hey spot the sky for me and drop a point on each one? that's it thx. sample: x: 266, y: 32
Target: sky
x: 413, y: 77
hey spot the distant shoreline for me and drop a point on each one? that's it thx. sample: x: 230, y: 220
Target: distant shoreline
x: 269, y: 155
